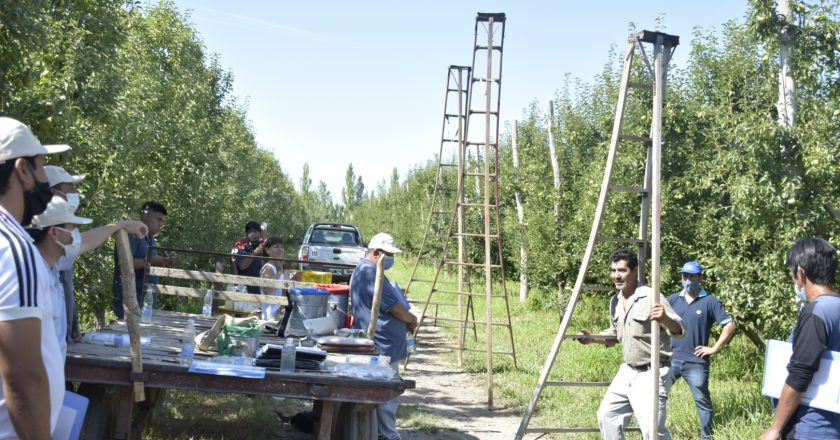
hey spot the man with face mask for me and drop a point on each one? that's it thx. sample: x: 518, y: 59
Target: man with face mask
x: 59, y: 242
x: 31, y: 365
x: 813, y: 265
x: 691, y: 359
x: 394, y: 320
x: 63, y: 185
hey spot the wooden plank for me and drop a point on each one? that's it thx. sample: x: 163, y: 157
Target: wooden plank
x: 200, y: 275
x: 325, y: 423
x: 217, y: 294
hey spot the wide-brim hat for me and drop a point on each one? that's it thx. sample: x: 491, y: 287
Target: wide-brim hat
x: 57, y: 175
x: 58, y: 212
x: 385, y: 242
x: 17, y: 140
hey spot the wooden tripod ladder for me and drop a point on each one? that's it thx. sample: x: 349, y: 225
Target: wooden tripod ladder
x: 477, y: 250
x: 663, y: 47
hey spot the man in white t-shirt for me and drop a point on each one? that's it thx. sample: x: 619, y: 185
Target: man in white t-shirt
x: 31, y: 364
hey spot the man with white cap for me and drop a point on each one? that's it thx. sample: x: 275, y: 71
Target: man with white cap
x: 57, y: 239
x: 393, y: 323
x: 63, y: 185
x: 691, y: 357
x: 31, y: 365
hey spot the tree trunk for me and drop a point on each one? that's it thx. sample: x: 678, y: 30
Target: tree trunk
x: 520, y: 215
x: 787, y: 89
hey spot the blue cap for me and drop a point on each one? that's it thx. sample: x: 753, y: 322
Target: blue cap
x: 692, y: 267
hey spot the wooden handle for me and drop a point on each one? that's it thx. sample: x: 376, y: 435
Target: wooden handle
x: 377, y: 295
x: 131, y: 309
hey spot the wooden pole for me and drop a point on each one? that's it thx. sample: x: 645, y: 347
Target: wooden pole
x: 488, y: 274
x: 459, y: 206
x: 131, y: 310
x: 520, y: 216
x: 377, y: 295
x: 659, y: 53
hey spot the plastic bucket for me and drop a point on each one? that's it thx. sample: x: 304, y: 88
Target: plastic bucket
x: 307, y: 303
x: 337, y: 304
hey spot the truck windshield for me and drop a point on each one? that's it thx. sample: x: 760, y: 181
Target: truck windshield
x: 335, y: 237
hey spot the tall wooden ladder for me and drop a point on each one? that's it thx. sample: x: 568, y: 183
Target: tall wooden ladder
x: 478, y: 248
x: 442, y: 208
x: 649, y: 192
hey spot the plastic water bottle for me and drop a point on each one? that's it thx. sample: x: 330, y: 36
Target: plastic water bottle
x: 148, y: 305
x: 113, y: 339
x: 188, y: 343
x: 410, y: 343
x: 206, y: 311
x: 287, y: 357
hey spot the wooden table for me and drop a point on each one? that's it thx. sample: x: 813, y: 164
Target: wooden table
x: 99, y: 367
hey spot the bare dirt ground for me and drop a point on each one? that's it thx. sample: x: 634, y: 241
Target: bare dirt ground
x: 457, y: 398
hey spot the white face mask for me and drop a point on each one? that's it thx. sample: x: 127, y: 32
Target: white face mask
x: 73, y: 199
x: 74, y: 248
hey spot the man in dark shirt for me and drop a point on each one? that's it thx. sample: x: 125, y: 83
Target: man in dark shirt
x: 153, y: 214
x: 813, y: 264
x: 699, y: 311
x: 251, y: 244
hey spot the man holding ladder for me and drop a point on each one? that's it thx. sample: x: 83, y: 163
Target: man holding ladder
x: 631, y: 313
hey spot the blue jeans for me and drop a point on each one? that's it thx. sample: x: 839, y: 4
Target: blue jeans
x: 696, y: 375
x: 386, y: 414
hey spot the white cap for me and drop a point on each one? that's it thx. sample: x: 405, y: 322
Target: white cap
x: 57, y: 175
x: 58, y: 212
x: 17, y: 140
x: 385, y: 242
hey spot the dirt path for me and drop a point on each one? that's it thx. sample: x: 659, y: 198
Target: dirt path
x: 457, y: 398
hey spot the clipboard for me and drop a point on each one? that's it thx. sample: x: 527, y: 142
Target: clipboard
x: 824, y: 391
x: 71, y: 417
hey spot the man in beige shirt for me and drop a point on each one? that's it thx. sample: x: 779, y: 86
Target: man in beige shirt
x: 632, y: 314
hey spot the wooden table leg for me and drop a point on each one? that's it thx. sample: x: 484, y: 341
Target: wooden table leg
x: 325, y: 424
x: 124, y: 404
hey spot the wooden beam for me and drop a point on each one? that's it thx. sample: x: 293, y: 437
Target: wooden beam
x: 199, y: 293
x: 200, y: 275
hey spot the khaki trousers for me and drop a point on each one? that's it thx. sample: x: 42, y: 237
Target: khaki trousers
x: 631, y: 393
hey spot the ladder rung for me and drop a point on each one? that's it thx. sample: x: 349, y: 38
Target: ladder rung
x: 453, y: 115
x: 466, y: 321
x: 482, y: 79
x: 479, y: 175
x: 473, y: 112
x: 577, y: 384
x: 637, y: 189
x: 591, y: 288
x: 640, y: 85
x: 475, y: 205
x: 492, y: 266
x: 423, y: 280
x: 620, y: 239
x: 411, y: 301
x: 480, y: 143
x: 469, y: 234
x: 448, y: 164
x: 456, y: 90
x: 450, y: 140
x: 632, y: 137
x: 478, y: 294
x: 484, y: 47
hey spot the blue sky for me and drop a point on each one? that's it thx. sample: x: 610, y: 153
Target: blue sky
x: 335, y: 82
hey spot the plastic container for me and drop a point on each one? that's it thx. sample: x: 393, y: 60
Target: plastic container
x: 411, y: 344
x: 113, y: 339
x: 337, y: 304
x: 207, y: 309
x: 288, y: 356
x: 307, y: 303
x: 148, y: 305
x: 188, y: 343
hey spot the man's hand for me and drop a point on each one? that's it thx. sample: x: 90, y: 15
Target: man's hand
x: 586, y: 339
x: 657, y: 312
x: 411, y: 326
x: 703, y: 351
x: 771, y: 434
x: 135, y: 228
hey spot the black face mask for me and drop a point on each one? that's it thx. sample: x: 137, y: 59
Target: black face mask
x: 35, y: 200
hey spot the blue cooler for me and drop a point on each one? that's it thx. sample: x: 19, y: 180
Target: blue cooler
x: 307, y: 303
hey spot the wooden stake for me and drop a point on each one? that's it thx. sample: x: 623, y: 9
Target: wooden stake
x: 131, y: 310
x: 377, y: 295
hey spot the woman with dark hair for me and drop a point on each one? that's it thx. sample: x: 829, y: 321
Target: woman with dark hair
x: 275, y: 270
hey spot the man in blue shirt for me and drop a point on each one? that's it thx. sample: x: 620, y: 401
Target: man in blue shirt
x: 393, y: 323
x: 699, y: 311
x: 813, y: 264
x: 153, y: 214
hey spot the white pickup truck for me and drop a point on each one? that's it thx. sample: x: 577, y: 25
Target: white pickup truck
x: 333, y: 243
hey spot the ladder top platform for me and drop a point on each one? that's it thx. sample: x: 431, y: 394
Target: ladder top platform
x: 456, y: 67
x: 486, y: 16
x: 650, y: 37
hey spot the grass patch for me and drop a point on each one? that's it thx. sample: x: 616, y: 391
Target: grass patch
x: 412, y: 417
